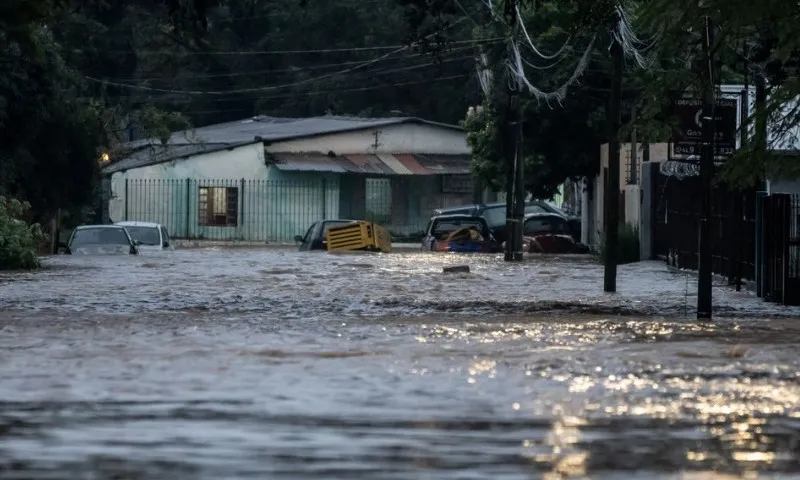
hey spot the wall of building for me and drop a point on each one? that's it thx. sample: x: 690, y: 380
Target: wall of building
x: 403, y: 138
x: 632, y: 188
x: 271, y: 204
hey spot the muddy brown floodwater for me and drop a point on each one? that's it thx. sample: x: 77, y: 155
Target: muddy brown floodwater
x: 228, y: 364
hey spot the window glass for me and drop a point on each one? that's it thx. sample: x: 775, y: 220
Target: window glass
x: 495, y: 216
x: 99, y: 236
x: 144, y: 235
x: 218, y: 206
x: 448, y: 226
x: 548, y: 224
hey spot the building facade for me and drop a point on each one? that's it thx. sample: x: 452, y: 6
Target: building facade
x: 268, y: 179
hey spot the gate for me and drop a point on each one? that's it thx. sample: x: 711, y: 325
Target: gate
x: 778, y: 271
x: 676, y: 204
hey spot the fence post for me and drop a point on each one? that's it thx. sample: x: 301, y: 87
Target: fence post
x: 759, y: 244
x: 188, y: 207
x: 241, y: 211
x: 126, y: 199
x: 324, y: 198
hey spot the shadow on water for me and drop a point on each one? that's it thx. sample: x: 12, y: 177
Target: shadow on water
x: 268, y: 364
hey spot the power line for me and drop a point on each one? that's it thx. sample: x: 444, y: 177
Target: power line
x: 300, y: 52
x: 297, y: 69
x: 272, y: 87
x: 358, y: 89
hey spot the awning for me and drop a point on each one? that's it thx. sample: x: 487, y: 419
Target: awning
x: 377, y: 164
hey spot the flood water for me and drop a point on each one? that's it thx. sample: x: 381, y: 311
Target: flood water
x: 228, y: 364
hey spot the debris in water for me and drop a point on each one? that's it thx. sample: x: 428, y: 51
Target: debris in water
x: 456, y: 269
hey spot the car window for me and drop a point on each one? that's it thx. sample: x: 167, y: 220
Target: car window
x: 145, y: 235
x: 164, y: 235
x: 495, y: 216
x: 99, y: 236
x: 549, y: 224
x: 535, y: 209
x: 447, y: 226
x: 307, y: 236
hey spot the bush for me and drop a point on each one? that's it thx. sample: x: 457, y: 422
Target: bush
x: 628, y: 244
x: 18, y: 240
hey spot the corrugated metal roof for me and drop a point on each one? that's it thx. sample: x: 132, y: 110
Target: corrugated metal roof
x: 260, y: 128
x: 444, y: 164
x: 382, y: 164
x: 307, y: 162
x: 148, y: 154
x: 271, y: 129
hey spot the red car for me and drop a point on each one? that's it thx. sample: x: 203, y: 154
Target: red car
x: 549, y: 233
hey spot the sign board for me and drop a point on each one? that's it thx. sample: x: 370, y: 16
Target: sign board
x: 457, y: 184
x: 688, y: 139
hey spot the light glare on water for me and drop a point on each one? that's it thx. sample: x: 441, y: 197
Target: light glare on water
x: 272, y: 364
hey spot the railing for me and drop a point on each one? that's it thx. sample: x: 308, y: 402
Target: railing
x: 778, y: 262
x: 677, y: 216
x: 266, y: 210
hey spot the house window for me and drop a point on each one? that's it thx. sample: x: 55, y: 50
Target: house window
x: 218, y: 206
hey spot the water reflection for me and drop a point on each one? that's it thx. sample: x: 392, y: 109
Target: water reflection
x: 283, y: 369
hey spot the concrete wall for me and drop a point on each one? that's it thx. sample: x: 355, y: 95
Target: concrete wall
x: 633, y: 210
x: 272, y: 205
x: 404, y: 138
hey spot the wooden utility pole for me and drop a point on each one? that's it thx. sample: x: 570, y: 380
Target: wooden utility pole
x: 515, y: 183
x: 611, y: 202
x: 704, y: 286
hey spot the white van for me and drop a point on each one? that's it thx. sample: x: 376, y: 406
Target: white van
x: 150, y: 236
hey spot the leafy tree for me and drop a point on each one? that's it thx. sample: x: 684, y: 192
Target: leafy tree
x: 18, y: 240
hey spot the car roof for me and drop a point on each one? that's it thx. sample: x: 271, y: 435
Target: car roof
x: 87, y: 227
x: 138, y: 224
x: 458, y: 216
x: 543, y: 214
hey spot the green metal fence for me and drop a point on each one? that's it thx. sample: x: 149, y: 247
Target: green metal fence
x: 260, y: 210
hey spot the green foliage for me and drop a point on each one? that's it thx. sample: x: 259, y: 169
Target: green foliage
x: 628, y: 245
x: 18, y: 240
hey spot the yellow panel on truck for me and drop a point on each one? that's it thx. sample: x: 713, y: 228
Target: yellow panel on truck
x: 361, y: 235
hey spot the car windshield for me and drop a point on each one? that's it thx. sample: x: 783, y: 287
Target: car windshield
x: 447, y: 226
x: 145, y: 235
x: 99, y: 236
x: 549, y: 224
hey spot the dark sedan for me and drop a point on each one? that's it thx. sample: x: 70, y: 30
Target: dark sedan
x: 316, y: 238
x: 459, y: 233
x: 549, y: 233
x: 495, y: 215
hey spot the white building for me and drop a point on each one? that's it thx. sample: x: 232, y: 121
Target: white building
x: 269, y: 178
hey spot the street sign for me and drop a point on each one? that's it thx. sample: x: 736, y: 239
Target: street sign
x: 687, y: 140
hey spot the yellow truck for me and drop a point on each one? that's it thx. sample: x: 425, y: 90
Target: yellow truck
x: 359, y: 235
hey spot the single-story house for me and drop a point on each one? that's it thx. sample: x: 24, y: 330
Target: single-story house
x: 269, y: 179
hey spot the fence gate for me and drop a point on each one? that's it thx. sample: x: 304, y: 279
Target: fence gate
x: 779, y: 278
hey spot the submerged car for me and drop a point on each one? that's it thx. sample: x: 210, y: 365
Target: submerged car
x: 316, y: 238
x: 459, y: 233
x: 495, y: 215
x: 100, y: 239
x: 149, y: 236
x: 549, y: 233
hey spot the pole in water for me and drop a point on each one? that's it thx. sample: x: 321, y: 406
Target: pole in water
x: 704, y: 290
x: 611, y: 201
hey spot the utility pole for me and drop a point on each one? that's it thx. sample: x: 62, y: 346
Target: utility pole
x: 611, y: 247
x: 704, y: 287
x: 515, y: 181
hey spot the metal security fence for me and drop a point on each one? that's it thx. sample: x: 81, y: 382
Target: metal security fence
x: 676, y: 210
x: 270, y: 210
x: 778, y: 251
